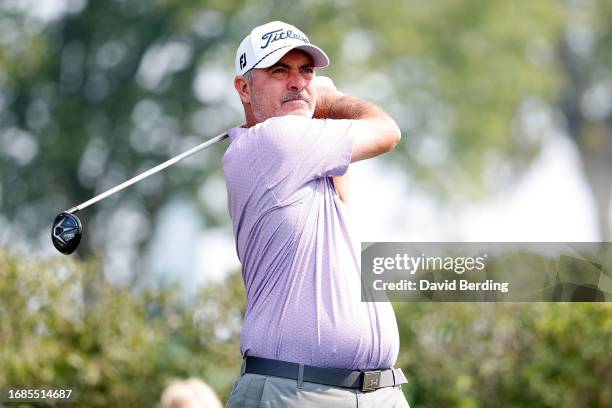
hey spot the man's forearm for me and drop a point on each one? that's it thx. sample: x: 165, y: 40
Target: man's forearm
x: 374, y: 131
x: 334, y: 105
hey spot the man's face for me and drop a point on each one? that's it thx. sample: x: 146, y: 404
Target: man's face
x: 284, y: 88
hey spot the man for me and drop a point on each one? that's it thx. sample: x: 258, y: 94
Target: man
x: 307, y: 338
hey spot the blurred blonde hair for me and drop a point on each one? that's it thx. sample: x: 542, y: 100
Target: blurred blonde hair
x: 190, y: 393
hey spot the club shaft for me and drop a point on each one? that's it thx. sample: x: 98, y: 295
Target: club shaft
x: 148, y: 173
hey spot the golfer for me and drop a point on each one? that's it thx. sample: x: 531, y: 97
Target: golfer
x: 307, y: 339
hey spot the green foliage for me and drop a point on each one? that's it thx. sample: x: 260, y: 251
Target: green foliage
x: 510, y: 355
x: 62, y: 324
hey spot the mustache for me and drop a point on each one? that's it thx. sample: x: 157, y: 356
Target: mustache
x: 294, y: 95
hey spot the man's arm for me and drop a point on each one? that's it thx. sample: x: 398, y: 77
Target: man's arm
x: 374, y: 132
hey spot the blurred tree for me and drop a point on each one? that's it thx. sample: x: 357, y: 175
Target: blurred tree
x: 460, y: 77
x: 98, y: 95
x: 101, y: 91
x: 586, y: 97
x: 479, y: 88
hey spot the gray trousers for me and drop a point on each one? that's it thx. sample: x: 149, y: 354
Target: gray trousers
x: 254, y: 391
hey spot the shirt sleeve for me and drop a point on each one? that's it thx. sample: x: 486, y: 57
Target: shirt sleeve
x: 295, y: 150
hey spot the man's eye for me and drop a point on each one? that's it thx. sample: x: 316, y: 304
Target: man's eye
x: 279, y: 71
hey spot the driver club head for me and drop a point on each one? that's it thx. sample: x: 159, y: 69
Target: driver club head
x: 66, y: 233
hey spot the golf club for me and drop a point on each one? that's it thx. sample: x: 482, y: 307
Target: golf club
x: 67, y: 228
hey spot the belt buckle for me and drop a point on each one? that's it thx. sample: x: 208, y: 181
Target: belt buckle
x: 371, y: 381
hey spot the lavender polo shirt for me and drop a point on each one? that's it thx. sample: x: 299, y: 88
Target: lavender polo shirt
x: 300, y: 264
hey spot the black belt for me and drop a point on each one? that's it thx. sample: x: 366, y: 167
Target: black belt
x: 361, y: 380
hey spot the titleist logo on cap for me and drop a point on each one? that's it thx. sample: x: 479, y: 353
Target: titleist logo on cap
x: 281, y: 34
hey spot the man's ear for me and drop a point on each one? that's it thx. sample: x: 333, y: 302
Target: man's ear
x: 243, y: 88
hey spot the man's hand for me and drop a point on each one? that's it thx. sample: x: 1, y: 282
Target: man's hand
x: 327, y: 95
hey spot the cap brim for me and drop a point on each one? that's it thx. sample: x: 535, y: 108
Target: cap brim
x: 319, y: 58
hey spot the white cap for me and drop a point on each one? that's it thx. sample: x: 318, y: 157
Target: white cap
x: 268, y: 43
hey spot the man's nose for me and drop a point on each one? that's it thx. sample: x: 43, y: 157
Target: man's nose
x: 296, y: 82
